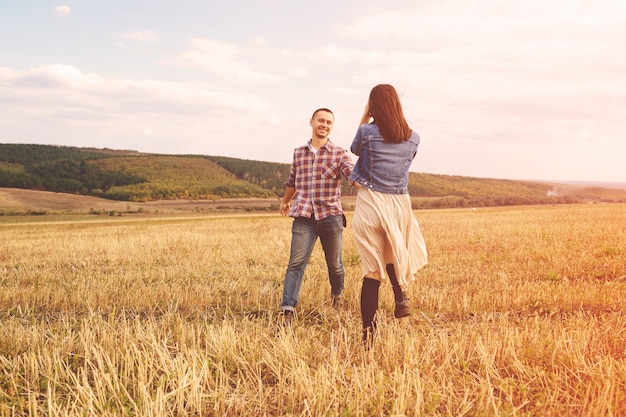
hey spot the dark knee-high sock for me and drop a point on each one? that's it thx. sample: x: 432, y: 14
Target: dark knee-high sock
x: 398, y: 294
x: 369, y: 302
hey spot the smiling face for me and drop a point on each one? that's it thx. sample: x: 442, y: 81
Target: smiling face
x: 322, y: 124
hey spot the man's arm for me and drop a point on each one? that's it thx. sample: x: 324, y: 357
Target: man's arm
x: 346, y: 164
x: 346, y: 170
x: 284, y: 204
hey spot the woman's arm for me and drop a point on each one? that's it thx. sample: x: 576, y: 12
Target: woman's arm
x: 365, y: 119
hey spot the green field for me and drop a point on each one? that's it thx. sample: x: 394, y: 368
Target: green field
x: 520, y: 312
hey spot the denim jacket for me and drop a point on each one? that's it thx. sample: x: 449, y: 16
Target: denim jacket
x: 382, y: 167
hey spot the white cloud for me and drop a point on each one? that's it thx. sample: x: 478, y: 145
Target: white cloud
x: 344, y: 91
x: 257, y: 41
x: 275, y: 120
x: 62, y: 11
x: 523, y: 64
x: 450, y: 27
x: 222, y: 58
x: 89, y: 108
x: 141, y: 36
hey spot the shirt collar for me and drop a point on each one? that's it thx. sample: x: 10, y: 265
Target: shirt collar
x: 328, y: 145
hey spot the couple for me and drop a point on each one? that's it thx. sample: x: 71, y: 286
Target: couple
x: 387, y: 235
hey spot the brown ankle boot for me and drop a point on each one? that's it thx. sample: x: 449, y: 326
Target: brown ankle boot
x: 402, y: 301
x: 403, y: 309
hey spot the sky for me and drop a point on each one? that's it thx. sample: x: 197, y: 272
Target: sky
x: 510, y: 90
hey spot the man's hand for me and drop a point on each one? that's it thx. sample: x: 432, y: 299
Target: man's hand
x: 284, y: 203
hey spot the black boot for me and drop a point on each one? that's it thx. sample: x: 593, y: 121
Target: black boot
x: 369, y: 305
x: 402, y: 301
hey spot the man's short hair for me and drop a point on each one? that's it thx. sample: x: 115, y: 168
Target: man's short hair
x: 322, y: 109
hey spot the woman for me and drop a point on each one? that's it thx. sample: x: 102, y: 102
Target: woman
x: 387, y: 235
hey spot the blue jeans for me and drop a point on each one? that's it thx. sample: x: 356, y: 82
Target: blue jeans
x: 304, y: 233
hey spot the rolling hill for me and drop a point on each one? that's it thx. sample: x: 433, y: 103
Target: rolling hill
x: 136, y: 177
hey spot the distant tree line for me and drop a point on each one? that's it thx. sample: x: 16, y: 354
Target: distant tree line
x: 131, y: 176
x: 268, y: 175
x: 58, y: 169
x: 33, y: 154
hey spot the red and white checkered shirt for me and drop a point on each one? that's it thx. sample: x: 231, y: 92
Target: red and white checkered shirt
x: 316, y: 176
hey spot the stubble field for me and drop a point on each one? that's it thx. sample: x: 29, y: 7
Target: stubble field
x: 520, y: 312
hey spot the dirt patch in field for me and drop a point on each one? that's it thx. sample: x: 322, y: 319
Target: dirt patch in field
x: 19, y: 199
x: 15, y: 199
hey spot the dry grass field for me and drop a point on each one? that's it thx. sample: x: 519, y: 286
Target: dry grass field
x: 520, y: 312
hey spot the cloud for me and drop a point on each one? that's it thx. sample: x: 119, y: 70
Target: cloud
x: 89, y: 108
x: 222, y: 59
x: 62, y: 11
x: 344, y: 91
x: 546, y: 65
x: 257, y: 41
x: 141, y: 36
x: 77, y: 88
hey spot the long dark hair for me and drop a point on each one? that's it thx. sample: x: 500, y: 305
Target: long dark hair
x: 386, y: 109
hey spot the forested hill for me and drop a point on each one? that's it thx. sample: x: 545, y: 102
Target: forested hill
x: 135, y: 176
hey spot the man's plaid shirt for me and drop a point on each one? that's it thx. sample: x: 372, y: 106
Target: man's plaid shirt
x: 316, y: 176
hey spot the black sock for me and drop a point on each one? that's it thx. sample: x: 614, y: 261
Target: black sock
x: 398, y: 294
x: 369, y: 302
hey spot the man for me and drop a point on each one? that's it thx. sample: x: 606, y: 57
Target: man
x: 315, y: 181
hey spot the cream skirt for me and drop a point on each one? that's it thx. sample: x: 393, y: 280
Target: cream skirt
x: 387, y: 232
